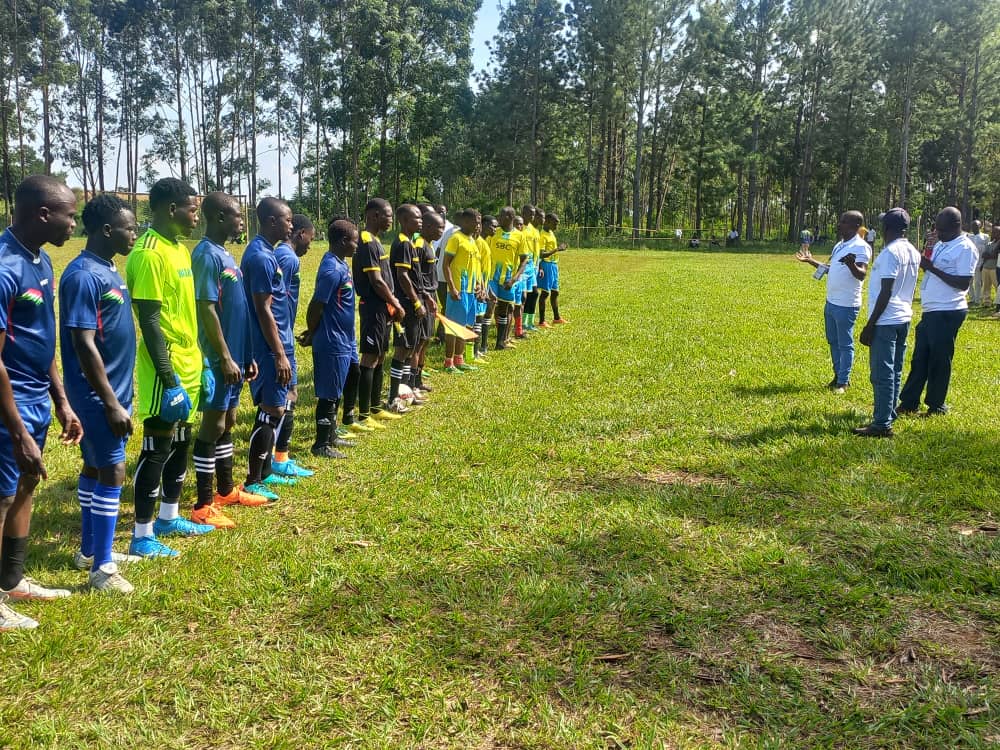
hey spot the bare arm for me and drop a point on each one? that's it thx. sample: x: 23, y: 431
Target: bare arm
x: 269, y: 327
x: 208, y: 317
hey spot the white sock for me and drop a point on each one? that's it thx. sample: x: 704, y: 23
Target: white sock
x: 168, y: 510
x: 143, y: 529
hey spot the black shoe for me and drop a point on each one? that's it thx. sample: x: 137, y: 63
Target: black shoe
x: 327, y: 451
x: 870, y: 430
x: 424, y: 387
x: 938, y: 411
x: 343, y: 443
x: 832, y: 384
x: 906, y: 411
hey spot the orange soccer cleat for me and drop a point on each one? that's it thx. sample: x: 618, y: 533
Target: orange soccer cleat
x: 212, y: 516
x: 239, y: 496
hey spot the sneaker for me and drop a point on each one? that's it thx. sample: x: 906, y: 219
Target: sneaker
x: 328, y: 451
x: 373, y: 424
x: 277, y: 480
x: 340, y: 442
x: 397, y: 407
x: 29, y: 589
x: 479, y: 360
x: 12, y: 620
x: 544, y: 325
x: 359, y: 428
x: 467, y: 368
x: 560, y: 321
x: 150, y: 546
x: 210, y: 515
x: 108, y: 580
x: 870, y: 430
x: 180, y: 527
x: 343, y: 432
x: 242, y: 496
x: 86, y: 562
x: 386, y: 415
x: 258, y: 490
x: 290, y: 469
x: 511, y: 345
x: 418, y: 400
x: 452, y: 371
x: 425, y: 387
x: 840, y: 389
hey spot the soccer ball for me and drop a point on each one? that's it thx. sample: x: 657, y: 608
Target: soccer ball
x: 405, y: 394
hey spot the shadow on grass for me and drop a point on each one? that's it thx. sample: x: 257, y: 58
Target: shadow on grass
x: 773, y: 389
x: 799, y: 424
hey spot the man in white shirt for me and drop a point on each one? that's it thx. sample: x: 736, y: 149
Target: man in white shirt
x: 948, y: 273
x: 845, y: 272
x: 890, y: 309
x: 439, y: 246
x: 980, y: 239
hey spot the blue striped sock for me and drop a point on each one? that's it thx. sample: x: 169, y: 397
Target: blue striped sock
x: 104, y: 513
x: 84, y: 492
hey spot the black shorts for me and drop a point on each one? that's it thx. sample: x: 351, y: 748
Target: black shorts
x: 427, y: 328
x: 409, y: 336
x: 374, y: 334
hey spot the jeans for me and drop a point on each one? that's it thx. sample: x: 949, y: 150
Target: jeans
x: 840, y: 337
x: 933, y: 349
x: 886, y: 360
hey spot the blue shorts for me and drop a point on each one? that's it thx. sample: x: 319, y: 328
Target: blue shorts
x: 480, y: 308
x: 529, y: 279
x: 226, y: 397
x: 99, y: 446
x: 265, y: 388
x: 550, y: 276
x: 36, y: 418
x: 504, y: 295
x: 518, y: 290
x: 461, y: 310
x: 330, y: 372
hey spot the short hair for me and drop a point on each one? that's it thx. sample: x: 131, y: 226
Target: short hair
x: 36, y: 191
x: 441, y: 208
x: 434, y: 216
x: 101, y: 210
x: 269, y: 207
x: 339, y: 229
x: 218, y: 201
x: 169, y: 190
x: 487, y: 219
x: 408, y: 209
x: 301, y: 222
x: 552, y: 216
x: 527, y: 207
x: 377, y: 204
x: 508, y: 211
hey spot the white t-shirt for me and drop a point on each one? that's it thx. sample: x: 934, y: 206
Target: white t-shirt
x: 842, y: 288
x: 958, y: 257
x: 440, y: 245
x: 900, y: 261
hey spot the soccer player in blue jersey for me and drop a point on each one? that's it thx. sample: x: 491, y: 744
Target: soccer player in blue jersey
x: 97, y: 342
x: 330, y: 333
x: 224, y: 338
x: 272, y: 338
x: 288, y: 254
x: 44, y: 212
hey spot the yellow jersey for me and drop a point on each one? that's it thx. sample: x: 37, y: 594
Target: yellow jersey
x: 465, y: 261
x: 548, y: 242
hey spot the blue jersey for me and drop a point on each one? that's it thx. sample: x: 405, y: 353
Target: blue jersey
x: 93, y: 296
x: 28, y: 317
x: 262, y: 275
x: 219, y: 280
x: 335, y: 289
x: 289, y: 263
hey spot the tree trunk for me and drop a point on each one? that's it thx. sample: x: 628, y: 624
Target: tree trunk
x: 970, y: 136
x: 904, y: 156
x: 640, y: 111
x: 181, y: 146
x: 699, y: 169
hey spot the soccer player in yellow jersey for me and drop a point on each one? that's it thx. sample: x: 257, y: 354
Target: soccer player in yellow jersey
x: 533, y: 218
x: 483, y: 307
x: 548, y: 272
x: 508, y: 261
x: 461, y: 270
x: 171, y: 376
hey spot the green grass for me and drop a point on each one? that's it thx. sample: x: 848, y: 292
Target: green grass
x: 648, y: 529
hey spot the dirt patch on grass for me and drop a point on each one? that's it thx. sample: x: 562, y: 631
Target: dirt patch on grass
x: 931, y: 639
x: 777, y: 638
x: 679, y: 477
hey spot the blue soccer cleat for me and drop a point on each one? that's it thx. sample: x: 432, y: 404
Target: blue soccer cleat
x: 180, y: 527
x: 290, y: 469
x: 150, y: 546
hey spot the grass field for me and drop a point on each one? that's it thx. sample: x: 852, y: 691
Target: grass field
x: 648, y: 529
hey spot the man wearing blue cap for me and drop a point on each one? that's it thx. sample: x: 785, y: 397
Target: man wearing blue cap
x: 890, y: 300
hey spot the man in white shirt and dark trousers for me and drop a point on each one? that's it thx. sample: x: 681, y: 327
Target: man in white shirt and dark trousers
x: 890, y: 309
x: 980, y: 239
x: 948, y: 273
x: 845, y: 272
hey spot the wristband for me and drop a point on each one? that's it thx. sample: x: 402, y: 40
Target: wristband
x: 416, y: 304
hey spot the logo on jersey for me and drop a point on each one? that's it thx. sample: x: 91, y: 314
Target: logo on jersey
x: 229, y: 274
x: 33, y: 295
x: 114, y: 295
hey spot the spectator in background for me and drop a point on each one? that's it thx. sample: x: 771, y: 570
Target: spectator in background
x: 980, y: 239
x: 989, y: 261
x: 733, y: 238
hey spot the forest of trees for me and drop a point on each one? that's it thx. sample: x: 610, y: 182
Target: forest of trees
x: 764, y: 115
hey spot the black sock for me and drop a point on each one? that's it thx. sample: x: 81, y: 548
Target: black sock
x: 529, y: 303
x: 204, y: 472
x: 396, y: 372
x: 326, y: 422
x: 284, y: 437
x: 377, y: 376
x: 148, y: 473
x: 555, y: 307
x: 501, y: 331
x: 365, y: 391
x: 175, y: 469
x: 484, y: 336
x: 541, y: 306
x: 224, y: 464
x: 351, y: 392
x: 261, y: 443
x: 15, y: 549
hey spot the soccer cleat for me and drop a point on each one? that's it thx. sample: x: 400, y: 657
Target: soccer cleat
x: 290, y: 469
x: 360, y: 428
x: 560, y: 321
x: 467, y: 368
x: 432, y: 371
x: 452, y: 371
x: 86, y: 562
x: 180, y: 527
x: 418, y: 400
x: 12, y: 620
x: 242, y: 496
x: 258, y: 490
x: 544, y: 325
x: 343, y: 432
x: 28, y: 589
x: 386, y: 415
x: 108, y: 580
x: 372, y: 424
x: 328, y: 451
x: 397, y: 407
x: 276, y: 480
x: 150, y: 546
x: 479, y: 359
x: 210, y: 515
x: 425, y: 387
x: 340, y: 442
